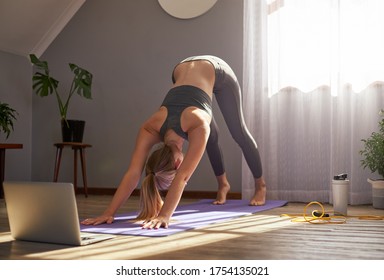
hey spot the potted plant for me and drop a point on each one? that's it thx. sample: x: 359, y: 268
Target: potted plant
x: 44, y: 84
x: 7, y: 116
x: 373, y: 159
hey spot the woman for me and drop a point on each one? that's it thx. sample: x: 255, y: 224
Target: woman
x: 186, y: 114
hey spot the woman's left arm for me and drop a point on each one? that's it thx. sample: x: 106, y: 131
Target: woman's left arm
x: 197, y: 139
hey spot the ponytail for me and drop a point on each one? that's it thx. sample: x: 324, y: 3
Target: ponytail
x: 160, y: 171
x: 150, y: 199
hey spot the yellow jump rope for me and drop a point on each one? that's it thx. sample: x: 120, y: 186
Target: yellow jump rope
x: 322, y: 217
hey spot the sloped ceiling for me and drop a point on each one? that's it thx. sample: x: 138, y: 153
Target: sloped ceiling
x: 30, y: 26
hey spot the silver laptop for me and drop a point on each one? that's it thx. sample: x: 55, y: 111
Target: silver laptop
x: 46, y: 212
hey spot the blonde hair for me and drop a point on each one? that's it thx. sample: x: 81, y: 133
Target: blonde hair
x: 160, y: 171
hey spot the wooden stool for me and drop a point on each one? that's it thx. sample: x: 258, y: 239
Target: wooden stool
x: 75, y: 147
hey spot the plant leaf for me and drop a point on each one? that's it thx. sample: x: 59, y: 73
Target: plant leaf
x: 82, y: 81
x: 42, y: 83
x: 43, y: 65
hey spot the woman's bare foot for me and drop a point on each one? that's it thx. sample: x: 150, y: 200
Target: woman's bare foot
x: 221, y: 197
x: 223, y: 189
x: 258, y: 198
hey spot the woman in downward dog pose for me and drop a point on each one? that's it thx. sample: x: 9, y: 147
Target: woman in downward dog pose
x: 186, y: 114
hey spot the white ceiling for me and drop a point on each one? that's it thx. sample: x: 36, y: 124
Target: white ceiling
x: 30, y: 26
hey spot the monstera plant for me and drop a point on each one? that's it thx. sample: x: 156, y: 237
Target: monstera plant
x: 44, y: 85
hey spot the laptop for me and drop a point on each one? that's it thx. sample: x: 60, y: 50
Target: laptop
x: 46, y: 212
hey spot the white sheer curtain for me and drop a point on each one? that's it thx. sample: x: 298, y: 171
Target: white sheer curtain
x: 312, y: 83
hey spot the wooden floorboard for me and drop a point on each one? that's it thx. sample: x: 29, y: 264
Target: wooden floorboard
x: 264, y: 236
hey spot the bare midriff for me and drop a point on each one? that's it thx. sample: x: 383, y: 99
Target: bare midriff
x: 198, y: 73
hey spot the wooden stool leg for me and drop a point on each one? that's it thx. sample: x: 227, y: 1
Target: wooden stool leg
x: 84, y: 171
x: 75, y: 169
x: 59, y: 151
x: 2, y: 170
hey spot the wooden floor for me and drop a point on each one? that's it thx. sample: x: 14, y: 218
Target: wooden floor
x: 266, y: 235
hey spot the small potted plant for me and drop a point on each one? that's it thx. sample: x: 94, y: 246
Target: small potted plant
x: 44, y: 84
x: 373, y: 159
x: 7, y: 117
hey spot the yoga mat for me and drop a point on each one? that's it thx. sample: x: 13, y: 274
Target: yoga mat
x: 185, y: 217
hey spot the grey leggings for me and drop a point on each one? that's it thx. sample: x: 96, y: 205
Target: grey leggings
x: 228, y: 96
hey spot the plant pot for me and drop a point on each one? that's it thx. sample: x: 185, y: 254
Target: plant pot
x: 72, y: 130
x: 377, y: 193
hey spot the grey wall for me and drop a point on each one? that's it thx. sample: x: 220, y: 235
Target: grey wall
x: 15, y: 89
x: 131, y: 48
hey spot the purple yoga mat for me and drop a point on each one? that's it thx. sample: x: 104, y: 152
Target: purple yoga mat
x: 185, y: 217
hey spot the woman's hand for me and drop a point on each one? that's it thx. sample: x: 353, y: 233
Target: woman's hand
x: 99, y: 220
x: 156, y: 223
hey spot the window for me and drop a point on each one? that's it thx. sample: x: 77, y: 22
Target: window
x: 316, y: 43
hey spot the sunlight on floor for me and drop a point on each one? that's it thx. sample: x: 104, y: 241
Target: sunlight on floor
x: 134, y: 247
x: 5, y: 237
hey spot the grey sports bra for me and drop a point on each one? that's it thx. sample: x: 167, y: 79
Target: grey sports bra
x: 177, y: 100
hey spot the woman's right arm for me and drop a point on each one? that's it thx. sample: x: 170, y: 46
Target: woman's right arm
x: 144, y: 142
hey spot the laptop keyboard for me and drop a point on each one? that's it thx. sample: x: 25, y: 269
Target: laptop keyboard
x: 86, y: 238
